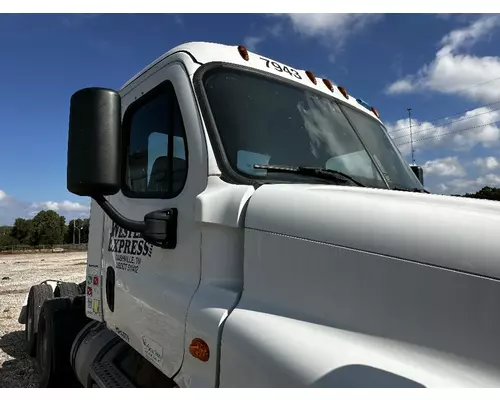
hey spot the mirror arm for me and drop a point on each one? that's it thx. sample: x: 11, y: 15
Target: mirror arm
x: 119, y: 219
x: 158, y: 228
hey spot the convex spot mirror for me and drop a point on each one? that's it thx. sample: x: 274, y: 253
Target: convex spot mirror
x: 419, y: 172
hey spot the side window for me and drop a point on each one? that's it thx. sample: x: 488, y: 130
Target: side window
x: 155, y: 146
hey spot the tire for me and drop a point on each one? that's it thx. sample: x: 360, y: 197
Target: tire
x: 37, y: 296
x: 67, y: 289
x: 82, y: 287
x: 60, y: 321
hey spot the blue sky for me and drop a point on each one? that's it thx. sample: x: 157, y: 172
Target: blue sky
x: 438, y: 65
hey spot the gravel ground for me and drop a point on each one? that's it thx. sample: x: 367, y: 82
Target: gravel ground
x: 17, y: 274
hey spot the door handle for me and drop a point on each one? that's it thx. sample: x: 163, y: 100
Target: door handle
x: 110, y: 288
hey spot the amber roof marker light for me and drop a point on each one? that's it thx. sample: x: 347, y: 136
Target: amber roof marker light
x: 344, y: 92
x: 374, y: 110
x: 243, y: 52
x: 311, y: 76
x: 328, y: 84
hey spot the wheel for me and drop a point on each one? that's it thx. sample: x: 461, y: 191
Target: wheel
x: 60, y: 321
x: 37, y: 295
x: 67, y: 289
x: 82, y: 287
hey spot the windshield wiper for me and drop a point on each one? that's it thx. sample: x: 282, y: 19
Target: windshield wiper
x: 325, y: 173
x: 416, y: 190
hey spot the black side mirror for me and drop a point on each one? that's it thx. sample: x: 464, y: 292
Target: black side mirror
x: 94, y: 143
x: 94, y: 163
x: 419, y: 172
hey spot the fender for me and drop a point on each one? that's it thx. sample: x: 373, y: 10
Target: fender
x: 265, y: 350
x: 338, y: 283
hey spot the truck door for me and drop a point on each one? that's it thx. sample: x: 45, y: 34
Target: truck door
x: 147, y: 289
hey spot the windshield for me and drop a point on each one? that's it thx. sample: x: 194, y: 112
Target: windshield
x: 263, y: 120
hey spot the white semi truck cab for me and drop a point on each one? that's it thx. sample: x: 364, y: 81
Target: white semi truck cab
x: 253, y: 225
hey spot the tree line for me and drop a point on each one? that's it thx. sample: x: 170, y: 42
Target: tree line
x: 487, y: 193
x: 46, y: 228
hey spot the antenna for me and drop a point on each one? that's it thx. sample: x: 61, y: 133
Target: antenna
x: 411, y: 139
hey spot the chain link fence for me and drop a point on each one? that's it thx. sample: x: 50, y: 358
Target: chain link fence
x: 57, y: 248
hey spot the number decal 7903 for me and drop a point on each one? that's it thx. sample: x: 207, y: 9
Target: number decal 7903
x: 281, y: 68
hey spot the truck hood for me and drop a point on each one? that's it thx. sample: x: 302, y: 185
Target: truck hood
x: 450, y: 232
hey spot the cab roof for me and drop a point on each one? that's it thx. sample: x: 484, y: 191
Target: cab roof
x: 207, y: 52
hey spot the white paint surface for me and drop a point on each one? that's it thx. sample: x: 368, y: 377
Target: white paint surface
x: 339, y: 286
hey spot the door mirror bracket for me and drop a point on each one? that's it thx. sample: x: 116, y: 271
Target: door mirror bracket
x: 159, y: 228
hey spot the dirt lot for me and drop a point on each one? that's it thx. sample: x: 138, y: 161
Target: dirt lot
x: 17, y: 274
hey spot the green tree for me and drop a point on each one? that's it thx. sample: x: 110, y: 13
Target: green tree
x: 5, y: 237
x: 487, y: 193
x: 64, y: 228
x: 48, y: 228
x: 22, y: 231
x: 85, y: 230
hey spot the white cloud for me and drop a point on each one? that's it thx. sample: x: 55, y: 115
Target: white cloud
x: 401, y: 86
x: 487, y: 163
x: 63, y: 207
x: 442, y: 188
x: 454, y: 72
x: 468, y: 36
x: 476, y: 127
x: 330, y: 24
x: 460, y: 186
x: 5, y: 200
x: 251, y: 42
x: 449, y: 166
x: 11, y: 208
x: 334, y: 29
x: 275, y: 30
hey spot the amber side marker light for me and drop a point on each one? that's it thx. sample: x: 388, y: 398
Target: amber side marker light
x: 344, y: 92
x: 311, y: 76
x: 243, y: 52
x: 328, y: 84
x: 374, y: 110
x: 199, y: 349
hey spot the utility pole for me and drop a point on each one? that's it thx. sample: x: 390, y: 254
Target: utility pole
x: 73, y: 231
x: 411, y: 139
